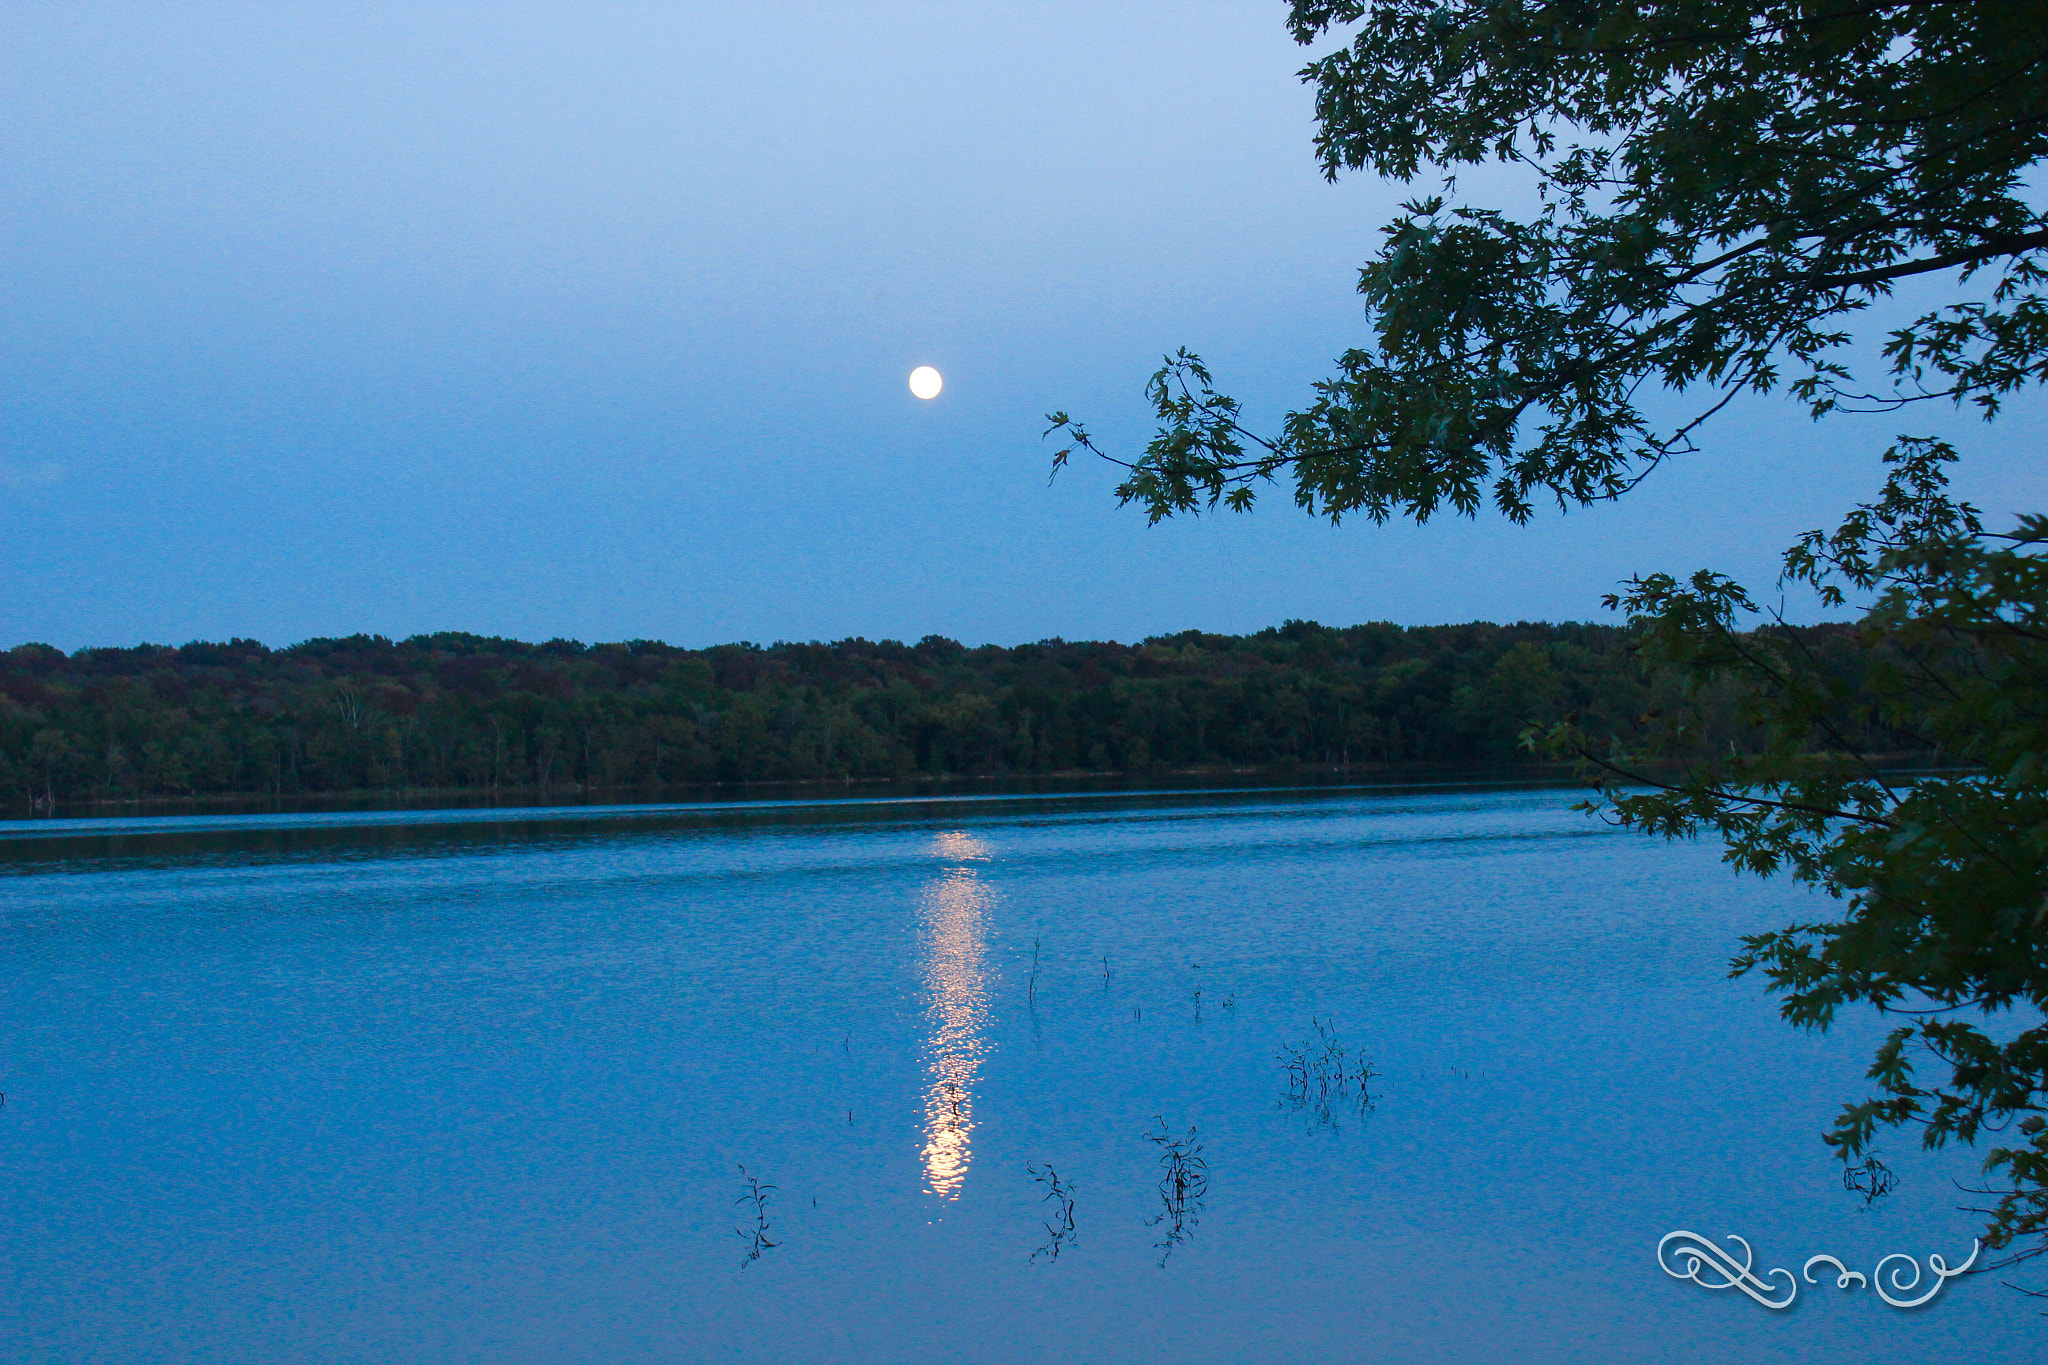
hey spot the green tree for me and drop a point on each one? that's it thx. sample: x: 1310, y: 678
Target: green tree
x: 1944, y: 879
x: 1722, y: 188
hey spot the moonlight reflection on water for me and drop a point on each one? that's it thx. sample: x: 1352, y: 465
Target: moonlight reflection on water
x: 955, y: 945
x: 328, y: 1087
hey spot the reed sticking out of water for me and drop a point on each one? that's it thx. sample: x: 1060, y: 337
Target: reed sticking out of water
x: 1060, y: 1229
x: 1183, y: 1186
x: 756, y: 1237
x: 1323, y: 1074
x: 1032, y: 994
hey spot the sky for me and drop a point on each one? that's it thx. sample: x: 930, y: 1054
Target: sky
x: 593, y: 320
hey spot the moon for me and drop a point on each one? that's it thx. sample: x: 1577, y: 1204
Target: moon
x: 925, y: 382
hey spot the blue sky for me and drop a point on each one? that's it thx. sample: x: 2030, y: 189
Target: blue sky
x: 593, y: 320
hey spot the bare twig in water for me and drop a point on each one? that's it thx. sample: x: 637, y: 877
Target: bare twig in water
x: 1060, y: 1228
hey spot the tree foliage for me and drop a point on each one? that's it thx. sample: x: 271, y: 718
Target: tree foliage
x: 465, y: 712
x: 1720, y: 189
x: 1945, y: 878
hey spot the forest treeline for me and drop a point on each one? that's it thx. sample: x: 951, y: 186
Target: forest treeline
x: 456, y: 711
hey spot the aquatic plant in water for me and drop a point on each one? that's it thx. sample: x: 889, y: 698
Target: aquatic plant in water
x: 1871, y: 1178
x: 1324, y: 1075
x: 756, y: 1237
x: 1060, y: 1227
x: 1183, y: 1186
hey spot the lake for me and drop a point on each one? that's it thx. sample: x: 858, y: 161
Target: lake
x: 1272, y: 1076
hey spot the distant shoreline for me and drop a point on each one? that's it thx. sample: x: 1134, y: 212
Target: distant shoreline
x: 939, y: 788
x: 936, y: 786
x: 453, y: 719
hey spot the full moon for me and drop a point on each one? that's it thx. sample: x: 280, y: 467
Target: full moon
x: 925, y: 382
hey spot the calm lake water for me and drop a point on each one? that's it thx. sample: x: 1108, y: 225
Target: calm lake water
x: 480, y: 1085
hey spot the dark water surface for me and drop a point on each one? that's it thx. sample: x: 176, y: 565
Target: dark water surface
x: 478, y: 1086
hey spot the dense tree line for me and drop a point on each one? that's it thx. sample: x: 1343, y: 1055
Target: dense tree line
x: 454, y: 711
